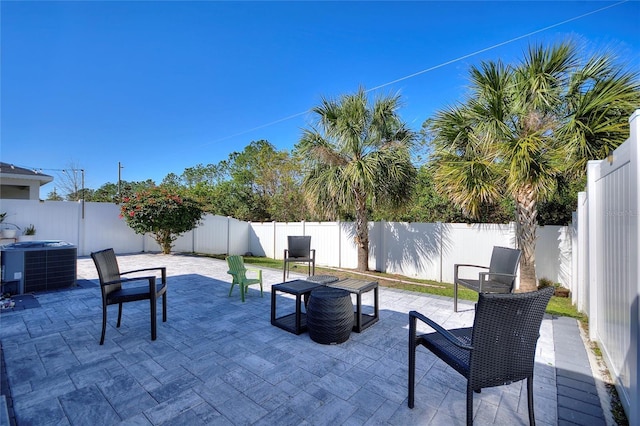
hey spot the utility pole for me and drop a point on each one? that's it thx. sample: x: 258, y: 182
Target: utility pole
x: 120, y: 167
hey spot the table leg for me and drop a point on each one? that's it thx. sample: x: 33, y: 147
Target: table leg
x: 273, y: 306
x: 358, y: 312
x: 298, y: 313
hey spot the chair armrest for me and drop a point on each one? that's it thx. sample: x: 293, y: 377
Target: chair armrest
x: 313, y: 254
x: 485, y: 276
x: 286, y: 254
x: 151, y: 279
x: 162, y: 269
x: 466, y: 265
x: 413, y: 316
x: 259, y: 271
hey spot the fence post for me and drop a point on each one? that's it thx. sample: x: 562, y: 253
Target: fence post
x: 339, y: 243
x: 273, y: 250
x: 592, y: 258
x: 634, y: 221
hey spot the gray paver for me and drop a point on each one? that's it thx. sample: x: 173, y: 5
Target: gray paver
x: 219, y: 361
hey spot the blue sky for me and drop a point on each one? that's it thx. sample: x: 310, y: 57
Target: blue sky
x: 162, y: 86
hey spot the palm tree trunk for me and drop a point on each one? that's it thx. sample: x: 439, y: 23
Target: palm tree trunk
x: 527, y: 214
x: 362, y: 233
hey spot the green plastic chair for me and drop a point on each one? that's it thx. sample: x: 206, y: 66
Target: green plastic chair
x: 239, y: 273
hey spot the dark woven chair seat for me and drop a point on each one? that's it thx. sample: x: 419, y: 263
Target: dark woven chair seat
x: 329, y: 315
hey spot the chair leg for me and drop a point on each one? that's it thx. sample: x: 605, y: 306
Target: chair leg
x: 412, y: 362
x: 152, y: 301
x: 242, y: 290
x: 119, y: 314
x: 104, y: 323
x: 469, y: 404
x: 532, y: 417
x: 231, y: 289
x: 164, y: 306
x: 455, y: 297
x: 284, y: 271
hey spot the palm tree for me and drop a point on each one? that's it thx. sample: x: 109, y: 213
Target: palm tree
x: 357, y: 157
x: 523, y: 126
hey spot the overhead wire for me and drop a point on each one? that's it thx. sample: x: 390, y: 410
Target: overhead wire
x: 435, y: 67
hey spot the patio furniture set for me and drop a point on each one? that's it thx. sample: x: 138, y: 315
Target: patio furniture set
x: 329, y: 313
x: 498, y: 349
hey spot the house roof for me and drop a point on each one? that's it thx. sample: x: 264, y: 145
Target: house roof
x: 10, y: 171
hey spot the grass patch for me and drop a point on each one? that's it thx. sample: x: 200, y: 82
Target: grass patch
x: 559, y: 306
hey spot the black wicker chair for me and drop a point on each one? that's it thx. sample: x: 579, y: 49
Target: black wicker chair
x: 499, y: 349
x: 113, y: 293
x: 500, y: 278
x: 299, y: 251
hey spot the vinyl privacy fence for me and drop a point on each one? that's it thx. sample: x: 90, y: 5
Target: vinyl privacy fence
x: 606, y: 279
x: 421, y: 250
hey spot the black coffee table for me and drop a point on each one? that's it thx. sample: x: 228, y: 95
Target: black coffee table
x: 295, y: 322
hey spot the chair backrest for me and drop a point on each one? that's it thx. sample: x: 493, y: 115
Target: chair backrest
x: 505, y: 335
x: 299, y: 246
x: 236, y: 265
x: 108, y: 270
x: 505, y: 261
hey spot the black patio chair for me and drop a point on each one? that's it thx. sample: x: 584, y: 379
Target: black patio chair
x: 499, y: 349
x: 299, y: 251
x: 500, y: 278
x: 113, y: 292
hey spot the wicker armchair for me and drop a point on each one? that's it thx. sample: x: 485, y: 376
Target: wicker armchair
x: 500, y: 278
x: 111, y: 280
x: 499, y: 349
x: 299, y: 251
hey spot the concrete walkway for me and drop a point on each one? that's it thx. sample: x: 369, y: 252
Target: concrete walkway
x: 220, y: 361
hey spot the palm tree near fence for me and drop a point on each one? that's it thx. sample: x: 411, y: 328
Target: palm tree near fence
x: 525, y: 125
x: 357, y: 157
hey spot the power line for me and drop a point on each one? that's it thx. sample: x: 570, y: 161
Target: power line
x: 435, y: 67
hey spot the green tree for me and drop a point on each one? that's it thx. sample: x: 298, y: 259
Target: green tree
x: 162, y: 213
x: 54, y: 196
x: 525, y: 125
x: 357, y: 157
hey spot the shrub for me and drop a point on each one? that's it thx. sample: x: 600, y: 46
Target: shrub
x: 545, y: 282
x: 162, y: 213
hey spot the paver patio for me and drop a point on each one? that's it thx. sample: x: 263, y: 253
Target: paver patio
x: 220, y: 361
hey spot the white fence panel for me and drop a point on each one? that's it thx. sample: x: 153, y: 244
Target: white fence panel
x: 103, y: 227
x: 410, y: 249
x: 348, y: 249
x: 472, y: 244
x: 553, y: 254
x: 261, y: 239
x: 325, y: 240
x: 237, y: 239
x: 612, y: 267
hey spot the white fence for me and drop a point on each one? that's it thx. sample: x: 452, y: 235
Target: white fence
x: 421, y: 250
x: 607, y: 281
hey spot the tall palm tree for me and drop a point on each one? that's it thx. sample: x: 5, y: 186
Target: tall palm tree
x: 357, y: 157
x: 524, y: 125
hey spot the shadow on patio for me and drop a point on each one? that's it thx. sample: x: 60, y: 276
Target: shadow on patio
x: 220, y: 361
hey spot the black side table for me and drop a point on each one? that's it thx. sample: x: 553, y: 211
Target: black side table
x: 295, y: 322
x: 359, y: 287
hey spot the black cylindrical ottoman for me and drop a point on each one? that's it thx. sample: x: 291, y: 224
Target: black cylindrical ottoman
x: 329, y: 315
